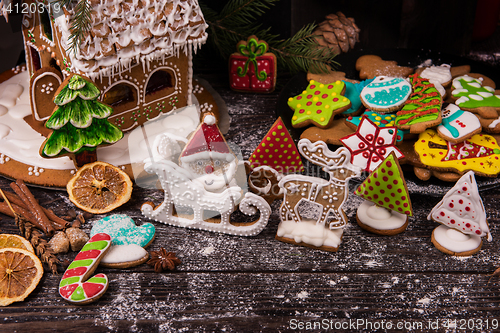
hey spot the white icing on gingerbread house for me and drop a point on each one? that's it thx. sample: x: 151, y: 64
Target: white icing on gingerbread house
x: 138, y: 53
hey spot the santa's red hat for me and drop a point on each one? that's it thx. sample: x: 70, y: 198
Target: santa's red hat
x: 207, y: 142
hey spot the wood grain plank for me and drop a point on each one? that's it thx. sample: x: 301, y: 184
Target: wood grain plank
x: 249, y: 301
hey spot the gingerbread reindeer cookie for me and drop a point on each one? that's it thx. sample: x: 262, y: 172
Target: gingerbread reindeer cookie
x: 303, y: 224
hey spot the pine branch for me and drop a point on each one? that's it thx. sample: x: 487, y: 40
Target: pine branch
x: 236, y: 22
x: 80, y: 23
x: 244, y: 12
x: 301, y: 52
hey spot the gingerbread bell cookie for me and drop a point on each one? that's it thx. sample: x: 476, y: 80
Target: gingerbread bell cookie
x: 318, y: 104
x: 387, y: 203
x: 311, y: 213
x: 480, y: 153
x: 462, y: 217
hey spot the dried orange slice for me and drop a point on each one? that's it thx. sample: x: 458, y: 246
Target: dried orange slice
x: 20, y: 272
x: 99, y: 188
x: 10, y: 240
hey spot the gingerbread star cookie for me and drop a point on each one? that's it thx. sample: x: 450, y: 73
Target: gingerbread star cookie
x: 318, y: 103
x: 371, y: 144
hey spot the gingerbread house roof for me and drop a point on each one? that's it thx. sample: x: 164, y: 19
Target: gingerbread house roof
x: 128, y: 30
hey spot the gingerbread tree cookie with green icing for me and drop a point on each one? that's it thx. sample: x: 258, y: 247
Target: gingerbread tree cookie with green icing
x: 278, y: 151
x: 422, y: 109
x: 471, y: 94
x: 318, y: 104
x: 387, y: 204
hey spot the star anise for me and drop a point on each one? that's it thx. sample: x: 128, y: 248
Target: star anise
x: 163, y: 260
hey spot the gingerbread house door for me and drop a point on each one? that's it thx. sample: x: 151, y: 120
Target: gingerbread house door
x: 43, y: 86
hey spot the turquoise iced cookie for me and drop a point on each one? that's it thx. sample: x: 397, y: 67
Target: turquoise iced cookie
x: 352, y: 91
x: 381, y: 120
x: 124, y: 231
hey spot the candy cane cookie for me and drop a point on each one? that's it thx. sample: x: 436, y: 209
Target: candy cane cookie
x: 74, y: 286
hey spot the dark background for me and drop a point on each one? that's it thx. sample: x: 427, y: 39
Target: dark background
x: 441, y: 25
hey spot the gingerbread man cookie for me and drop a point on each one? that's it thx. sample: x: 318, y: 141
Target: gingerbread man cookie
x: 318, y: 103
x: 370, y: 66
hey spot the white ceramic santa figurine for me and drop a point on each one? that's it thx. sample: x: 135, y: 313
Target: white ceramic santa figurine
x: 208, y: 158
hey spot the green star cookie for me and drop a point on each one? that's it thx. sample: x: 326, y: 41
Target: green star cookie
x: 318, y: 103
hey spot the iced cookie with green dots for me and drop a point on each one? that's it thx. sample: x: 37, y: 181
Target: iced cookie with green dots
x: 318, y: 104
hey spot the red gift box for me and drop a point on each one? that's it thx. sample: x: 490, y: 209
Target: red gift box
x: 252, y: 69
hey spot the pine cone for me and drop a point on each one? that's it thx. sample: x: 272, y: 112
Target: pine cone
x: 337, y: 32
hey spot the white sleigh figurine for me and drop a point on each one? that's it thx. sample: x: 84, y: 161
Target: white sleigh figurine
x: 203, y: 183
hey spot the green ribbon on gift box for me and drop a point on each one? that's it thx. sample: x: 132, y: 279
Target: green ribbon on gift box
x: 252, y: 49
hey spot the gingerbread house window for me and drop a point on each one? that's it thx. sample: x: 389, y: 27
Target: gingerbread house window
x: 160, y: 84
x: 36, y: 62
x: 45, y: 22
x: 122, y: 96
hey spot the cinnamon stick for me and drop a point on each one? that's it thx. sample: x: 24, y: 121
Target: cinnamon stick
x: 57, y: 222
x: 29, y: 200
x: 5, y: 209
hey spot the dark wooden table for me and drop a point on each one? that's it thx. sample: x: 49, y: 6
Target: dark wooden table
x: 228, y: 283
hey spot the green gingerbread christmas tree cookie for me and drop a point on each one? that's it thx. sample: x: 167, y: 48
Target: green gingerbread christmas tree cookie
x: 278, y: 151
x: 386, y: 187
x: 318, y: 104
x: 79, y: 122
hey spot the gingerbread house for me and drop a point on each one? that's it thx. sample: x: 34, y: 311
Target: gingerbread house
x: 139, y: 54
